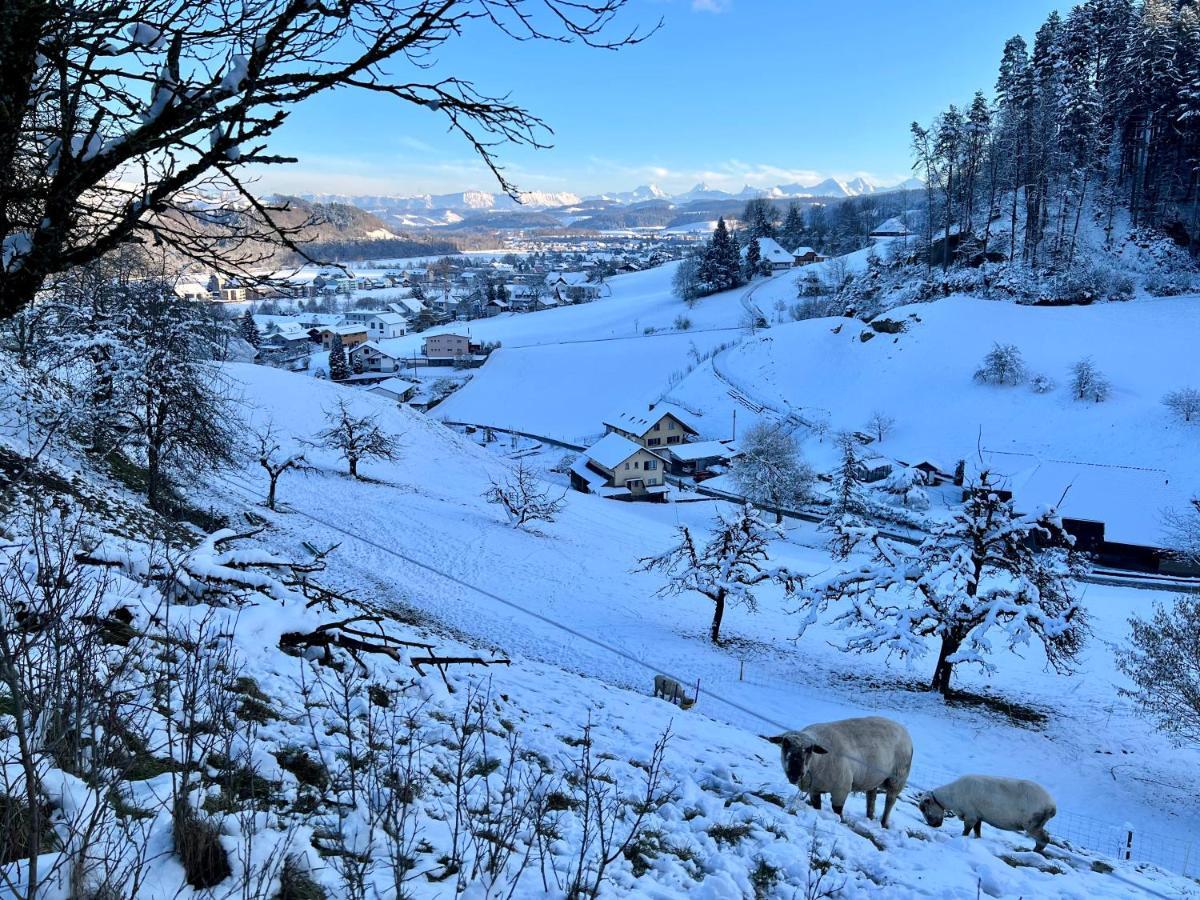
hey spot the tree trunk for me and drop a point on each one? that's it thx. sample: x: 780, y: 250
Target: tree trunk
x: 153, y: 467
x: 944, y: 669
x: 718, y: 615
x: 353, y: 466
x: 271, y: 491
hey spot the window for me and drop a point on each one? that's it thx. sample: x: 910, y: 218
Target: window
x: 652, y: 464
x: 653, y: 442
x: 656, y: 424
x: 626, y: 466
x: 670, y: 425
x: 673, y: 439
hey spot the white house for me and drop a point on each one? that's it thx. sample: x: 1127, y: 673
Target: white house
x: 375, y: 358
x: 396, y: 389
x: 387, y: 325
x: 662, y: 425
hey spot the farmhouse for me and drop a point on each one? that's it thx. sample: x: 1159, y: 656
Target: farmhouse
x: 893, y: 227
x: 803, y: 256
x: 572, y: 287
x: 617, y: 467
x: 773, y: 255
x: 662, y: 425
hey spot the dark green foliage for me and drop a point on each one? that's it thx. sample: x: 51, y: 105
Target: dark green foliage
x: 339, y: 368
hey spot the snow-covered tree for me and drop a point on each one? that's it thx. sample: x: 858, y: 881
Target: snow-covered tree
x: 846, y: 520
x: 752, y: 263
x: 524, y: 497
x: 339, y: 368
x: 770, y: 471
x: 274, y: 460
x: 1088, y: 382
x: 990, y: 577
x: 1003, y: 364
x: 1184, y: 402
x: 115, y: 117
x: 685, y: 283
x: 727, y: 569
x: 356, y: 437
x: 249, y: 330
x: 1163, y: 662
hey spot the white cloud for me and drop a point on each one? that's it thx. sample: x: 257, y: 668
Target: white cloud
x: 711, y: 6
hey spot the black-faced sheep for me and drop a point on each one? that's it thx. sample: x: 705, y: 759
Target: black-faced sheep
x: 671, y: 690
x: 836, y: 758
x: 1010, y: 804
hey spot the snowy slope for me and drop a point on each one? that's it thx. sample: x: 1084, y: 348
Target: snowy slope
x: 577, y: 573
x: 1125, y: 458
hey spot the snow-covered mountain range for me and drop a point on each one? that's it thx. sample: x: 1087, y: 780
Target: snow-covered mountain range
x: 420, y: 206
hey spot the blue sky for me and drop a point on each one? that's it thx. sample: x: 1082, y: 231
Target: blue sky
x: 730, y: 92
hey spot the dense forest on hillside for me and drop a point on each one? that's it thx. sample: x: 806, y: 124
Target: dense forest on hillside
x: 1102, y: 115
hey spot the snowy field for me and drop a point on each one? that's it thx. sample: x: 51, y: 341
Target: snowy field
x: 558, y: 596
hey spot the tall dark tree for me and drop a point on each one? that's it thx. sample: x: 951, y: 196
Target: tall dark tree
x: 249, y: 330
x: 339, y: 367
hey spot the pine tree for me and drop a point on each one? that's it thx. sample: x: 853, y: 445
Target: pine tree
x: 846, y: 520
x: 792, y: 233
x: 249, y: 330
x: 752, y: 264
x: 339, y: 369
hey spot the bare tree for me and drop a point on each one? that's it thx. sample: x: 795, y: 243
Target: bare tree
x: 880, y: 424
x: 274, y: 460
x: 525, y: 497
x: 1163, y: 661
x: 356, y: 437
x: 115, y: 116
x: 727, y: 569
x: 1184, y: 402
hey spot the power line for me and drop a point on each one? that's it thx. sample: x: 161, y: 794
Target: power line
x: 574, y: 632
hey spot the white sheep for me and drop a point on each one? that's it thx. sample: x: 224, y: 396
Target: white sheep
x: 671, y: 690
x: 1010, y: 804
x: 836, y: 758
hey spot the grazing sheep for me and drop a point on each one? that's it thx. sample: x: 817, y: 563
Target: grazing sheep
x: 671, y: 690
x: 1010, y: 804
x: 868, y: 754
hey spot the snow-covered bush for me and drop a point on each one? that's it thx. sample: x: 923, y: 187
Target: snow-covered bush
x: 1041, y: 384
x: 1169, y: 282
x: 1088, y: 382
x: 1163, y: 662
x: 1184, y: 403
x: 682, y: 323
x: 1003, y: 364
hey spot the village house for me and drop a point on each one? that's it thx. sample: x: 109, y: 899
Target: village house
x: 448, y: 346
x: 892, y: 228
x: 387, y: 325
x: 662, y: 425
x: 699, y: 457
x: 805, y: 256
x: 371, y: 357
x: 396, y: 389
x: 572, y: 287
x: 352, y: 335
x: 773, y: 255
x: 617, y: 467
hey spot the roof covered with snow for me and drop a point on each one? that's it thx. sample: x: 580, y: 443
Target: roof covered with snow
x: 640, y: 423
x: 613, y: 449
x: 769, y: 249
x: 700, y: 450
x: 892, y: 226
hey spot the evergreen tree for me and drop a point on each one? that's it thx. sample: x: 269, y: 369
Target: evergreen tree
x: 339, y: 368
x: 249, y: 330
x: 752, y: 263
x: 792, y: 232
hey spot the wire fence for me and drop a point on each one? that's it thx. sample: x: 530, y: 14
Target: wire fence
x: 1121, y: 842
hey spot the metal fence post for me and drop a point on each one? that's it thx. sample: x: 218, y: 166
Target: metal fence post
x: 1128, y: 843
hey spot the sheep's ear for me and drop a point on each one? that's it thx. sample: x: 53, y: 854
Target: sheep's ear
x: 777, y: 739
x: 817, y: 748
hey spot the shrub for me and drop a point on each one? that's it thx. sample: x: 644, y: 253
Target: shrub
x: 1184, y: 402
x: 1003, y: 364
x: 1041, y: 384
x: 198, y: 844
x: 682, y: 323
